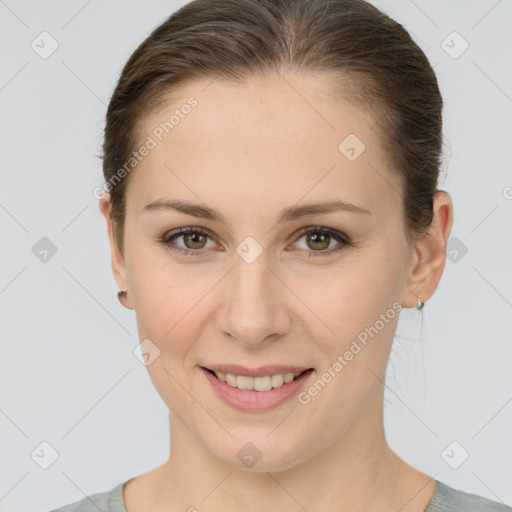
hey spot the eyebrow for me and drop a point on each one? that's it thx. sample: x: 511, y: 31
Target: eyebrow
x: 287, y: 215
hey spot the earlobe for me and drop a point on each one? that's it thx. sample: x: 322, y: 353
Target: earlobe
x: 430, y: 253
x: 117, y: 259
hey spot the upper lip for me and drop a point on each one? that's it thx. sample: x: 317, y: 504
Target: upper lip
x: 262, y: 371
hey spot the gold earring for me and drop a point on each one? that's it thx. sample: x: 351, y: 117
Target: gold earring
x: 420, y: 304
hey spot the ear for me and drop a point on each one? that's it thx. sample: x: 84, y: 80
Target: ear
x: 117, y: 258
x: 430, y: 253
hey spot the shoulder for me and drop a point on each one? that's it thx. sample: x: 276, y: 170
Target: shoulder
x: 448, y: 499
x: 109, y: 501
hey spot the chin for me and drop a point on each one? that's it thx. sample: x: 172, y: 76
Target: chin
x: 256, y: 452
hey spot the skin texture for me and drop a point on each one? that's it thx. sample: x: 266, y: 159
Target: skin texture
x: 248, y: 150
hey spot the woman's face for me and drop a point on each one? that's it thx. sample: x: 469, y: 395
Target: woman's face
x: 255, y: 290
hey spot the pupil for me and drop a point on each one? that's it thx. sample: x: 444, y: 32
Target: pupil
x: 195, y: 238
x: 322, y: 237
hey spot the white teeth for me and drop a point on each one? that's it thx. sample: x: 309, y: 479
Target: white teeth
x: 231, y: 379
x: 288, y: 377
x: 277, y: 380
x: 256, y: 383
x: 262, y: 383
x: 244, y: 382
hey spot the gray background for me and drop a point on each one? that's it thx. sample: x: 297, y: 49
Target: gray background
x: 68, y: 373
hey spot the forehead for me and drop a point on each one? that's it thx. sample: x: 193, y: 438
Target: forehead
x: 265, y: 139
x: 268, y: 108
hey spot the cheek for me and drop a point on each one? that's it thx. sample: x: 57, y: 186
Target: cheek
x: 356, y: 309
x: 169, y: 312
x: 361, y: 310
x: 349, y: 296
x: 165, y: 293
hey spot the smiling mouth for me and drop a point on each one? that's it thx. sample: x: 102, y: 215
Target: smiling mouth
x: 264, y: 383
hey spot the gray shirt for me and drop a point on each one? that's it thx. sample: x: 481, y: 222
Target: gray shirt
x: 445, y: 499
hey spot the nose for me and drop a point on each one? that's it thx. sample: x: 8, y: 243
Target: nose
x: 254, y: 308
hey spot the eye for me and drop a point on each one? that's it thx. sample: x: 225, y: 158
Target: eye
x: 193, y: 238
x: 317, y: 238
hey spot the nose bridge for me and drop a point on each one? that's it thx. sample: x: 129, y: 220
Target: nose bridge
x: 252, y: 308
x: 252, y: 281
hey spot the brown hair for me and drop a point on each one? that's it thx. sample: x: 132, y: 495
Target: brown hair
x: 372, y: 59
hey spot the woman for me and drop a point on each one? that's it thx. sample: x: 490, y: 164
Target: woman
x: 271, y: 202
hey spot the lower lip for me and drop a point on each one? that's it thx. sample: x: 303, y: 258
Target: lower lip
x: 253, y: 401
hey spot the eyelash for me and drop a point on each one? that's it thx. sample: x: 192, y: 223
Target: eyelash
x: 344, y: 240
